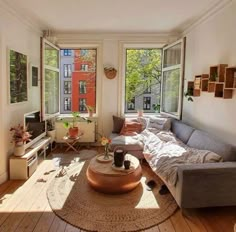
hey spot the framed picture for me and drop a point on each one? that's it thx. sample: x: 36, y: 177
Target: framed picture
x: 34, y: 75
x: 18, y: 85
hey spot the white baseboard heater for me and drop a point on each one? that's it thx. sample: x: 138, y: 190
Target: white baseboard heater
x: 88, y: 129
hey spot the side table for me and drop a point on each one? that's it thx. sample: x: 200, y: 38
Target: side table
x: 72, y: 142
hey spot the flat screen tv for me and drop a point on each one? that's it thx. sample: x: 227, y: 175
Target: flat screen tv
x: 35, y: 126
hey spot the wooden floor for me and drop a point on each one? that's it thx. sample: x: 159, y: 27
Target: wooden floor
x: 24, y: 207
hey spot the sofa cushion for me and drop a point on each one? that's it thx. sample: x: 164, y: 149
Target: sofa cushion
x: 181, y: 130
x: 202, y: 140
x: 128, y: 143
x: 117, y: 124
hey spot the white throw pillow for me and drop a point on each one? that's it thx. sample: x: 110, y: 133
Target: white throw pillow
x: 159, y: 123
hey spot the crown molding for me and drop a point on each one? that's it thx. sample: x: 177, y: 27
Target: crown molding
x: 29, y: 22
x: 220, y: 5
x: 148, y: 37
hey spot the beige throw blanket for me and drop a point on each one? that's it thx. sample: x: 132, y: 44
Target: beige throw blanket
x: 165, y: 153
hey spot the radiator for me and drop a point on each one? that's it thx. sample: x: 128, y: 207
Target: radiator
x: 88, y: 129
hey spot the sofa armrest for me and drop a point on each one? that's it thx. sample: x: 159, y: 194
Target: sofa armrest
x: 206, y: 185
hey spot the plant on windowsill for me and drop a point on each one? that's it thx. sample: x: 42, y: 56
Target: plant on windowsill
x: 156, y: 107
x: 72, y: 126
x: 90, y: 110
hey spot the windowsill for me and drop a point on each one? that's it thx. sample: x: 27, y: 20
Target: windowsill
x: 135, y: 115
x: 63, y: 116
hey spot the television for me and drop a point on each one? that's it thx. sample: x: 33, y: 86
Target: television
x: 36, y: 127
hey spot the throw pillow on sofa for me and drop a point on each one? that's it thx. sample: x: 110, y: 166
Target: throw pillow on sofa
x: 159, y: 123
x: 118, y: 123
x: 131, y: 127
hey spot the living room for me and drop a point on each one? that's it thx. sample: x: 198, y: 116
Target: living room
x: 210, y: 40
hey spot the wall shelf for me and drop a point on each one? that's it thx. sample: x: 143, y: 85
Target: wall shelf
x: 221, y: 82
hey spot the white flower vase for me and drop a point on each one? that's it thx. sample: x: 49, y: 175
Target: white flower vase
x: 19, y: 150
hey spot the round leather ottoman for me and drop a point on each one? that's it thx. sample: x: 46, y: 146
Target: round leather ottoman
x: 106, y: 178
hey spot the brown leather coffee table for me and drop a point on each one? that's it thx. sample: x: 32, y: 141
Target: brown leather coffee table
x: 104, y: 177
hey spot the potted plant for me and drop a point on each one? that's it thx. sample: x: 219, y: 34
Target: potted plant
x: 20, y: 135
x: 90, y: 110
x: 51, y: 132
x: 156, y: 107
x: 72, y: 127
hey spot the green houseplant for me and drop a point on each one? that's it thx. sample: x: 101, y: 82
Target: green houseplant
x: 71, y: 125
x: 156, y: 107
x: 20, y: 135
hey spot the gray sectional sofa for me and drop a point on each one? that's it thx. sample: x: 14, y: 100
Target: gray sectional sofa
x: 198, y: 185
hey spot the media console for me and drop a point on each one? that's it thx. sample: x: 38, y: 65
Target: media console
x: 24, y: 166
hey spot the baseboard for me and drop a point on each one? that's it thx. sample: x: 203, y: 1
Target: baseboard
x: 3, y: 177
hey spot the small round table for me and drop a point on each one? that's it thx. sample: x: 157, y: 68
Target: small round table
x: 72, y: 142
x: 104, y: 177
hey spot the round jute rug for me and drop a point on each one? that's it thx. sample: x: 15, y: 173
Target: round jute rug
x: 73, y: 200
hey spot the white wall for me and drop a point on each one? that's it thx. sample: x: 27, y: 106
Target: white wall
x: 16, y: 36
x: 211, y: 43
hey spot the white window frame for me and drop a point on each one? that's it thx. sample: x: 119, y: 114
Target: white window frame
x: 43, y: 42
x: 122, y: 48
x: 170, y: 68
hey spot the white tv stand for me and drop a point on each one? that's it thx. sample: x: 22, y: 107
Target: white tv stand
x: 22, y: 167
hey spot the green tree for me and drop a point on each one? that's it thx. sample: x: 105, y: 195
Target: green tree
x: 143, y: 70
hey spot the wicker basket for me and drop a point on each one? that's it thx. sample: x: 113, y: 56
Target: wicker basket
x: 110, y: 72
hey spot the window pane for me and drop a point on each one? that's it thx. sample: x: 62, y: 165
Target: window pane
x: 142, y: 79
x: 78, y: 68
x: 82, y: 105
x: 51, y: 92
x: 172, y: 56
x: 51, y: 56
x: 67, y: 104
x: 170, y: 91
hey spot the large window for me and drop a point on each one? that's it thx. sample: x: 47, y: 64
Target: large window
x: 142, y: 79
x: 50, y: 79
x: 81, y: 67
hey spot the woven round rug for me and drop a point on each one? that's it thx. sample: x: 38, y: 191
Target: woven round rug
x: 73, y: 200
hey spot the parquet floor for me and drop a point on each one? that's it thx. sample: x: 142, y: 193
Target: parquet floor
x: 24, y: 207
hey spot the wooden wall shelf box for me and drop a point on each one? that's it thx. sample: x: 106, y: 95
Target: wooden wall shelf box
x: 221, y: 82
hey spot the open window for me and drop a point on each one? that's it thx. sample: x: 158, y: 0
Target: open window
x: 172, y: 79
x: 50, y: 85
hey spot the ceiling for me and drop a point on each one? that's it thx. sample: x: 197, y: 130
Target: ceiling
x: 113, y: 16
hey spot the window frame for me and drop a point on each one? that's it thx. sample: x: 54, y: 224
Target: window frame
x: 181, y: 78
x: 123, y: 46
x: 99, y: 71
x: 47, y: 67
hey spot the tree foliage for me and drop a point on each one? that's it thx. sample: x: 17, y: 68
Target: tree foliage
x: 143, y: 70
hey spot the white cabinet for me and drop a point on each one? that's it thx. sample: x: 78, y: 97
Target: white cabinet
x: 23, y: 167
